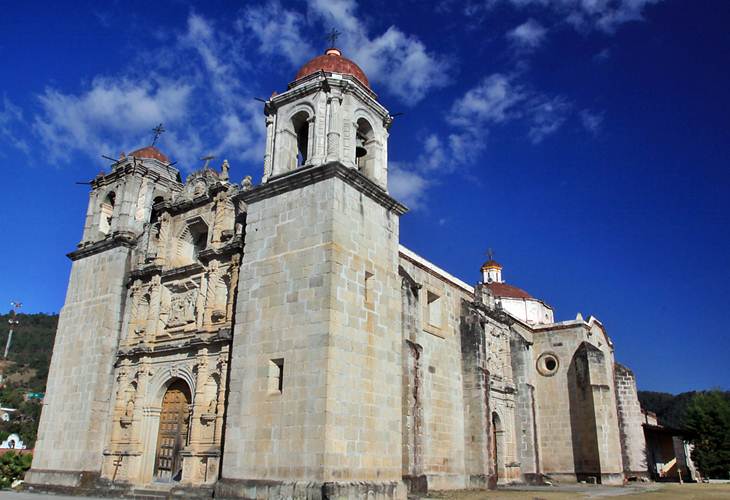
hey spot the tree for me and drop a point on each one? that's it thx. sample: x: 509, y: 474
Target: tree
x: 13, y: 466
x: 708, y: 415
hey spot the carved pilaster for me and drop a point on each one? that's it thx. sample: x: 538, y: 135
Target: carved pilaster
x: 333, y: 134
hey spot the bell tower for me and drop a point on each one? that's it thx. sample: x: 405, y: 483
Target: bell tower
x: 73, y: 426
x: 315, y: 372
x: 329, y: 114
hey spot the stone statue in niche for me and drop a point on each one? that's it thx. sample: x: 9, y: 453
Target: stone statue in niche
x: 129, y: 410
x: 182, y: 308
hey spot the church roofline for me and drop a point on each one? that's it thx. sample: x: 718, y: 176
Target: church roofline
x: 434, y: 269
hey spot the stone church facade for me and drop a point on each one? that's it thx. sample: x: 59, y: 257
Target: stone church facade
x: 277, y: 341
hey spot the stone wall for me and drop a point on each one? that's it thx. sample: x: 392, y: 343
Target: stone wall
x: 577, y: 422
x: 436, y: 337
x: 522, y: 369
x: 633, y: 442
x: 75, y: 419
x: 319, y: 294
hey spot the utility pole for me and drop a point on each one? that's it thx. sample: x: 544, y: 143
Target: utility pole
x: 14, y: 322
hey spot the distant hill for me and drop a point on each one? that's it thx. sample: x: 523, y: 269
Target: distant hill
x: 669, y: 408
x: 25, y: 370
x: 30, y: 351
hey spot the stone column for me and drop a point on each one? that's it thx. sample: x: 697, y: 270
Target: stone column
x: 269, y: 153
x: 233, y: 270
x: 333, y: 133
x: 153, y: 321
x: 220, y: 409
x: 311, y: 145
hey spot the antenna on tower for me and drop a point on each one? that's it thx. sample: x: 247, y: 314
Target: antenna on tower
x: 14, y: 322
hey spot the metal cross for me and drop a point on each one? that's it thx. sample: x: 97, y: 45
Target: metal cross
x: 333, y: 36
x: 207, y: 159
x: 158, y: 130
x: 490, y: 254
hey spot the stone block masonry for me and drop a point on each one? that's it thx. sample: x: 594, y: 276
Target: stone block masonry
x: 336, y: 423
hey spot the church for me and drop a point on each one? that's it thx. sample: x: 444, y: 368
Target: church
x: 275, y: 340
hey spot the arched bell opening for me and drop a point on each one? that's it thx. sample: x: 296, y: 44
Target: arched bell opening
x: 173, y: 431
x: 300, y: 125
x: 365, y: 147
x: 107, y: 212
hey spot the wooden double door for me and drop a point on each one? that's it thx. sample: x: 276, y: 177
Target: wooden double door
x: 173, y: 433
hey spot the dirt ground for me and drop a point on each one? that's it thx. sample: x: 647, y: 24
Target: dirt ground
x: 651, y: 491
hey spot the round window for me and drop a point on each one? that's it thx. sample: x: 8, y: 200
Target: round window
x: 547, y: 364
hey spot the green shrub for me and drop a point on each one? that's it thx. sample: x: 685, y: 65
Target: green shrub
x: 13, y: 466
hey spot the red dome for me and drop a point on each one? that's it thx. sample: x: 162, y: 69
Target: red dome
x: 508, y: 291
x: 333, y: 62
x: 150, y: 152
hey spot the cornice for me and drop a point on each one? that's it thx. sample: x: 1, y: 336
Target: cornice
x: 114, y: 240
x: 313, y: 174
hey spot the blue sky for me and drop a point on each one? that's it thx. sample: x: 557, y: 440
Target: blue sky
x: 586, y: 141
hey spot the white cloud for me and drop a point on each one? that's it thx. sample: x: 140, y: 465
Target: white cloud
x: 604, y: 15
x: 108, y: 115
x: 11, y: 119
x: 202, y: 108
x: 501, y: 98
x: 592, y: 121
x: 407, y: 185
x: 397, y: 61
x: 279, y: 31
x: 493, y: 100
x: 546, y: 116
x: 527, y: 36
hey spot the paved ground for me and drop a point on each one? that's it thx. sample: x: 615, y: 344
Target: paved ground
x: 648, y: 491
x: 641, y: 491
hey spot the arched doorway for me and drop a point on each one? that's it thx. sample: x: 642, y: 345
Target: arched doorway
x: 173, y: 432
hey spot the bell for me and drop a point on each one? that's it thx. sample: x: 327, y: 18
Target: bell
x: 360, y: 150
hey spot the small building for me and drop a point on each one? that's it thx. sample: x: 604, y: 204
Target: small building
x: 6, y: 414
x: 12, y: 442
x: 668, y: 451
x: 35, y: 396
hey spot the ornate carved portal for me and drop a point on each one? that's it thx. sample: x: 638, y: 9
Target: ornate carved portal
x: 173, y: 433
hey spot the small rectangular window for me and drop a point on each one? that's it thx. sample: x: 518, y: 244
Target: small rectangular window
x: 276, y: 376
x: 369, y: 292
x: 433, y: 304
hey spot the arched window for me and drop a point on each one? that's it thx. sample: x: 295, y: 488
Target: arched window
x: 364, y: 150
x: 107, y: 211
x: 300, y: 125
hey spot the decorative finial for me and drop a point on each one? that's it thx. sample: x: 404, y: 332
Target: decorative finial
x: 332, y: 36
x: 158, y: 130
x: 490, y: 254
